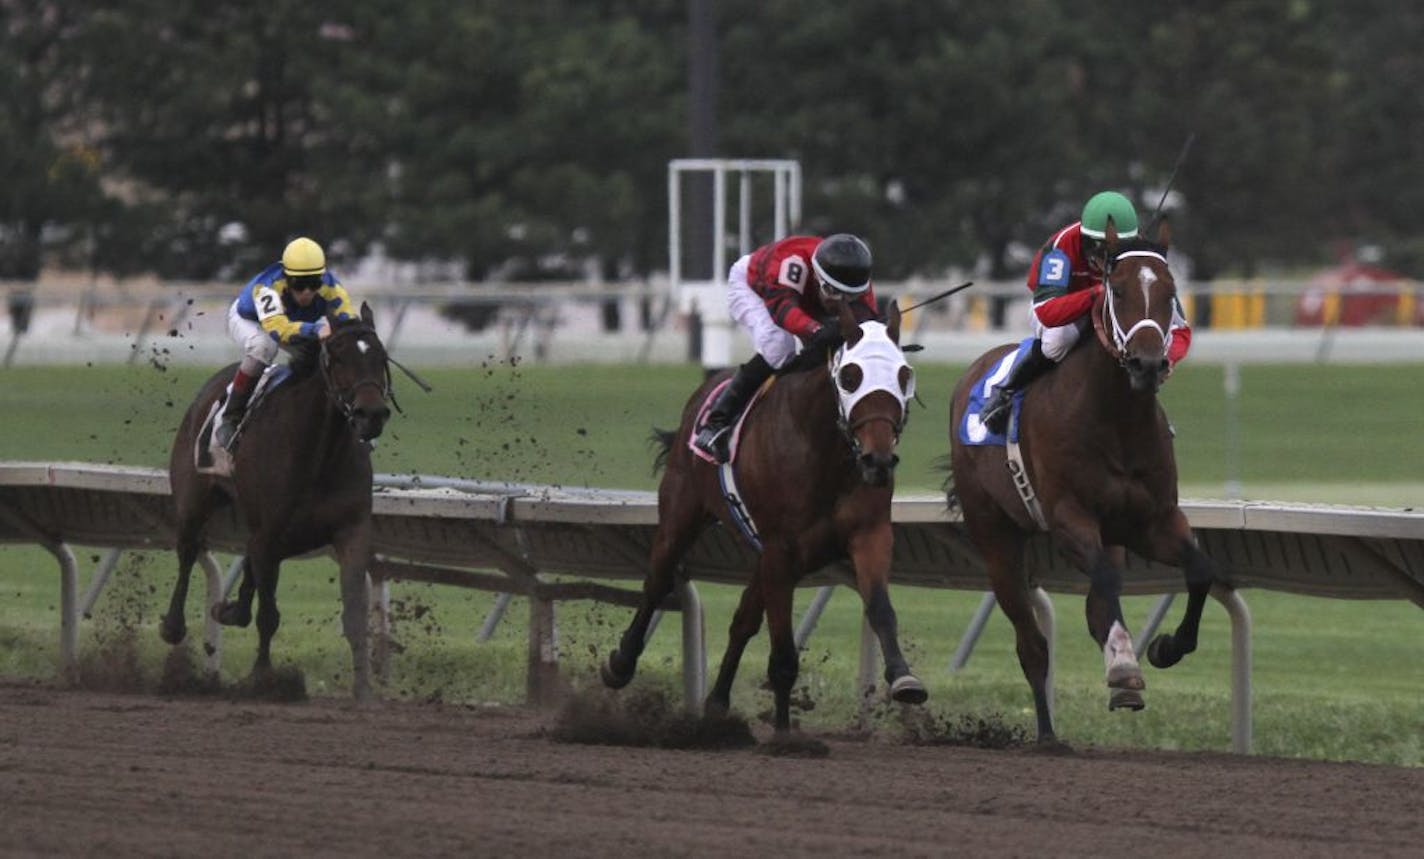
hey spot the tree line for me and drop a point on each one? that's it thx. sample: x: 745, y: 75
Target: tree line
x: 191, y: 139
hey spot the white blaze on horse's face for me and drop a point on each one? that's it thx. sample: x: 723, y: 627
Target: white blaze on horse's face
x: 1146, y: 278
x: 881, y: 366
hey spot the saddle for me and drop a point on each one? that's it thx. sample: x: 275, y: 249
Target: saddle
x: 736, y: 433
x: 209, y: 457
x: 726, y: 474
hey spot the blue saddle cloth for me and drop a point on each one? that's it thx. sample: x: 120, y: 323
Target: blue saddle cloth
x: 971, y: 427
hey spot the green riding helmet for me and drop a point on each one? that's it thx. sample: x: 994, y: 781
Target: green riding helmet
x: 1105, y: 205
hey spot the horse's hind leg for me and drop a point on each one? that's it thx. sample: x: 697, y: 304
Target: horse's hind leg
x: 1002, y: 549
x: 1174, y: 544
x: 679, y: 520
x: 784, y: 663
x: 745, y: 624
x: 264, y: 570
x: 870, y: 553
x: 238, y: 612
x: 193, y: 511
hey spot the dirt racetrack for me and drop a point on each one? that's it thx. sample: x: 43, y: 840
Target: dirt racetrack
x: 124, y: 774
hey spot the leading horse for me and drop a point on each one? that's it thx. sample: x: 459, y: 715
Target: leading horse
x: 1097, y: 451
x: 301, y: 480
x: 815, y: 469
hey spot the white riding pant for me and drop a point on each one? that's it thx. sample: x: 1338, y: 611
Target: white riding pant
x: 1058, y: 339
x: 776, y: 344
x: 257, y: 345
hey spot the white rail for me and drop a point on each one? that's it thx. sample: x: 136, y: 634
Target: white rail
x: 507, y: 537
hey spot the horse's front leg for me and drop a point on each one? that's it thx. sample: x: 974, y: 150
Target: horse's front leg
x: 1172, y: 542
x: 1081, y: 538
x: 870, y: 553
x: 353, y: 552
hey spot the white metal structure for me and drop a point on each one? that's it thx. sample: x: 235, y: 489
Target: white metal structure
x: 507, y: 538
x: 708, y: 298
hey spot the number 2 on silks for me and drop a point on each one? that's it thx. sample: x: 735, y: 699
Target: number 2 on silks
x: 1054, y: 269
x: 267, y: 301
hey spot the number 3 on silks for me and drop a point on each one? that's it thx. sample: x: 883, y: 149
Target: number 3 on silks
x: 267, y: 301
x: 1054, y: 269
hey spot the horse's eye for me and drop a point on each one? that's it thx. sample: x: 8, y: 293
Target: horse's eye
x: 907, y: 382
x: 850, y: 377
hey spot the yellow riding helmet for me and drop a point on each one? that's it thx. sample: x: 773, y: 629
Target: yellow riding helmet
x: 303, y: 257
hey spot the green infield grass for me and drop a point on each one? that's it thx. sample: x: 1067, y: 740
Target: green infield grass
x: 1333, y: 679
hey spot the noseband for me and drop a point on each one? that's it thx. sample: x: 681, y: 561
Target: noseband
x: 345, y: 398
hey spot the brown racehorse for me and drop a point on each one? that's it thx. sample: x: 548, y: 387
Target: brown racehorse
x: 815, y: 468
x: 301, y: 480
x: 1098, y: 451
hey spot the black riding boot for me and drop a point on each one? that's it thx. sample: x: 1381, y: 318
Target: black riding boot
x: 232, y: 416
x: 715, y: 434
x: 996, y: 412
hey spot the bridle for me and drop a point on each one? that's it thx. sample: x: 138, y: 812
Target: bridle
x: 880, y: 361
x: 345, y: 398
x: 1110, y: 330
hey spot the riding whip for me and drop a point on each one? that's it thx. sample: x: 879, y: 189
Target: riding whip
x: 1186, y: 147
x: 946, y: 294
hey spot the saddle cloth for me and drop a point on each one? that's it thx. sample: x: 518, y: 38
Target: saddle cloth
x: 971, y: 427
x: 211, y: 459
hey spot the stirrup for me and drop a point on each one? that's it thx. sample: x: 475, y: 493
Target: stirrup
x: 225, y: 433
x: 995, y: 416
x: 713, y: 442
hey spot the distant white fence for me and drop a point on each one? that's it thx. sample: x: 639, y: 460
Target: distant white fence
x: 640, y: 321
x: 511, y: 538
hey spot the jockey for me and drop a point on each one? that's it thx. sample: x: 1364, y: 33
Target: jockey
x: 284, y: 305
x: 1066, y: 277
x: 783, y: 292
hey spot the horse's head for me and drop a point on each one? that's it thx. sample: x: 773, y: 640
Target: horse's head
x: 873, y: 383
x: 357, y: 373
x: 1135, y: 323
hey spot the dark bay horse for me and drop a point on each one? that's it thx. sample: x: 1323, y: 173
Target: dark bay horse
x: 1097, y: 449
x: 815, y: 468
x: 301, y: 480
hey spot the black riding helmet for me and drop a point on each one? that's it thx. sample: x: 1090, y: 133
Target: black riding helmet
x: 842, y: 263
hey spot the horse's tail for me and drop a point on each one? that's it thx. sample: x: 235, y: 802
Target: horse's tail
x: 663, y: 439
x: 951, y: 498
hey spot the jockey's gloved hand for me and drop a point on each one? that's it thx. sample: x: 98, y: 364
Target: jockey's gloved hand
x: 826, y: 338
x: 323, y: 328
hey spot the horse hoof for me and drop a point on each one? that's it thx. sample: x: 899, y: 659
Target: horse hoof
x: 171, y: 632
x: 1125, y: 699
x: 1126, y: 677
x: 613, y: 678
x: 1162, y: 652
x: 231, y: 614
x: 908, y: 690
x: 1052, y: 746
x: 715, y: 708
